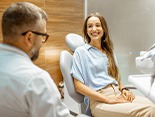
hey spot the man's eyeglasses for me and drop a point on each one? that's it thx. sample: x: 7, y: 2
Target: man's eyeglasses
x: 45, y: 35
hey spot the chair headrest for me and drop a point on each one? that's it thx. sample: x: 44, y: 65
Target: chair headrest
x: 74, y: 40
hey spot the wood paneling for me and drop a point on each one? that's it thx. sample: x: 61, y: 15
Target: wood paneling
x: 64, y: 16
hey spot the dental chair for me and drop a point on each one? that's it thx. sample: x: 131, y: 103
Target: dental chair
x: 144, y: 82
x: 73, y: 41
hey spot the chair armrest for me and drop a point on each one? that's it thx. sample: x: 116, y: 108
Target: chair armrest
x: 130, y: 87
x: 82, y: 115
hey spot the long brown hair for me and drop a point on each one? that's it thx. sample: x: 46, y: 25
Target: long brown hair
x: 106, y: 45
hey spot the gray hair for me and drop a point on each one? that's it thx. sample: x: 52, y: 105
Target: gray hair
x: 21, y: 16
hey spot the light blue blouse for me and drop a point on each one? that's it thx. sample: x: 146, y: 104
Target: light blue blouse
x: 90, y: 66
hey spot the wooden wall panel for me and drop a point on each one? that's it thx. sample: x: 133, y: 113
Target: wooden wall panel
x: 64, y: 16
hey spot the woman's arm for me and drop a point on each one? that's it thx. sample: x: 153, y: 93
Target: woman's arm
x: 87, y: 91
x: 121, y: 86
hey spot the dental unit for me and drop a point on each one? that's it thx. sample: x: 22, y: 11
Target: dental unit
x: 145, y: 82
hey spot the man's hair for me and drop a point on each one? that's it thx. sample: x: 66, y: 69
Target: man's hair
x: 20, y: 17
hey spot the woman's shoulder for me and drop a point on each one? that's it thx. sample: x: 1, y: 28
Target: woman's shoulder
x: 81, y: 52
x: 82, y: 48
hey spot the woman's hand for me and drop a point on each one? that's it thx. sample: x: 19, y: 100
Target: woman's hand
x: 116, y: 99
x: 128, y: 95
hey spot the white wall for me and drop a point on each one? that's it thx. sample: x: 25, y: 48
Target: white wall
x: 132, y: 28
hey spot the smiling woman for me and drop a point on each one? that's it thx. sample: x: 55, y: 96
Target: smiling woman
x: 132, y: 28
x: 100, y: 81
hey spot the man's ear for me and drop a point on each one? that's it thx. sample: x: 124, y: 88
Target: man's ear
x: 28, y: 39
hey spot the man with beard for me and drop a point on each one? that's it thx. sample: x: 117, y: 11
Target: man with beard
x: 25, y: 89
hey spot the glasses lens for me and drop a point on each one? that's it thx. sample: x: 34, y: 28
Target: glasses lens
x: 44, y: 39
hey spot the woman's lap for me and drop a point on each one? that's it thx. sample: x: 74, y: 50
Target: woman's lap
x: 140, y: 107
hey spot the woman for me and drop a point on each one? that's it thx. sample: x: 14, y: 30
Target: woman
x: 96, y: 76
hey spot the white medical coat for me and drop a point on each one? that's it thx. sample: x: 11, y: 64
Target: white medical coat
x: 25, y: 89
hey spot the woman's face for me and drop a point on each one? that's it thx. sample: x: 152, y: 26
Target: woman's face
x: 94, y: 29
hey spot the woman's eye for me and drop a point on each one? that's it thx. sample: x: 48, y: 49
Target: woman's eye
x: 89, y: 26
x: 98, y: 25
